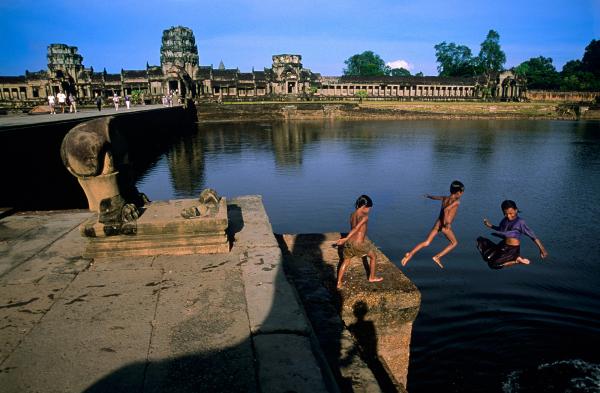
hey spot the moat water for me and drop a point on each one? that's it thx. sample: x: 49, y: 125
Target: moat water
x: 521, y: 329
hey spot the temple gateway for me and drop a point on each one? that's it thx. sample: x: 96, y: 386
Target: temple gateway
x: 180, y: 73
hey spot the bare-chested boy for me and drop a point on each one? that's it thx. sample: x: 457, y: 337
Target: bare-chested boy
x: 442, y: 224
x: 356, y: 243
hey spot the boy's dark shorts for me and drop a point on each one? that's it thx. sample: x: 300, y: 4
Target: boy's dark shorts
x: 358, y: 249
x: 496, y: 255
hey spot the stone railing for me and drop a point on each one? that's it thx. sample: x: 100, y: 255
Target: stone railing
x: 561, y: 96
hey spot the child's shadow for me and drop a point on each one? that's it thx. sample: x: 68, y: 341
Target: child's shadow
x: 365, y: 334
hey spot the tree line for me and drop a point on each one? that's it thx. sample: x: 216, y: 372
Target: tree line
x: 458, y: 61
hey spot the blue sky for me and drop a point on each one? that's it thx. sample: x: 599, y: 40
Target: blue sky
x: 126, y: 33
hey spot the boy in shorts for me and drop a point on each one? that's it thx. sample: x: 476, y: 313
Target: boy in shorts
x: 356, y: 243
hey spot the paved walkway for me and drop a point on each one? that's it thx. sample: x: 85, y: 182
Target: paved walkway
x: 24, y: 120
x: 210, y: 323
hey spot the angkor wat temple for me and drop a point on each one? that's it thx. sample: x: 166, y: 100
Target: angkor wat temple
x: 180, y: 71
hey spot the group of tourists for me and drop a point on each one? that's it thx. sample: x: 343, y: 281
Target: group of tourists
x: 497, y: 255
x: 116, y: 99
x: 172, y: 97
x: 70, y: 101
x: 63, y: 101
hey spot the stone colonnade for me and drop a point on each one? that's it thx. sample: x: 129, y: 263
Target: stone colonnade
x: 392, y: 91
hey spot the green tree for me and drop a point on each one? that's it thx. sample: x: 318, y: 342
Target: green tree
x: 580, y: 75
x: 361, y: 94
x: 419, y: 74
x: 591, y: 58
x: 454, y: 60
x: 365, y: 64
x: 540, y: 73
x: 571, y: 67
x: 136, y: 96
x: 570, y: 76
x: 399, y: 72
x: 491, y: 58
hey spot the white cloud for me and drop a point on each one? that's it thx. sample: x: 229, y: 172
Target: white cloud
x: 400, y: 64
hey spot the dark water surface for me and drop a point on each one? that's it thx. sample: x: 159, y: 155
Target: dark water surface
x: 525, y: 328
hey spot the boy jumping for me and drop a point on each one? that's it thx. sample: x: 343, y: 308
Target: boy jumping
x: 442, y: 224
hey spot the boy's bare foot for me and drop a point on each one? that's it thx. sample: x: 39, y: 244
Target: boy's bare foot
x: 523, y: 261
x: 436, y: 259
x: 339, y: 285
x: 405, y: 259
x: 376, y: 279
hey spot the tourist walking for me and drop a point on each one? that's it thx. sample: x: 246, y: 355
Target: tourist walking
x: 511, y: 228
x: 127, y: 100
x: 442, y: 224
x: 98, y: 102
x: 356, y: 243
x: 51, y: 103
x: 116, y: 101
x: 62, y: 99
x: 73, y: 103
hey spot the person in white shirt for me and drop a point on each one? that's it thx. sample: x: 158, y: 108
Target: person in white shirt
x: 116, y: 101
x: 51, y: 101
x: 62, y: 99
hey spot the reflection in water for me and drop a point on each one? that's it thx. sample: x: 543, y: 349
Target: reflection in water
x: 186, y: 164
x: 476, y: 326
x: 288, y: 142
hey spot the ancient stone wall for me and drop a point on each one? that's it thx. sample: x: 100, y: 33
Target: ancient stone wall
x: 561, y: 96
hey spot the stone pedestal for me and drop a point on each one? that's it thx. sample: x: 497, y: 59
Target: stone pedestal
x: 161, y: 230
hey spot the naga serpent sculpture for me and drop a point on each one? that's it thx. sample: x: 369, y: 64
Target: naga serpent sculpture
x: 96, y: 153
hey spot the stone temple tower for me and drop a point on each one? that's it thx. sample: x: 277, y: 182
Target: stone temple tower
x: 64, y: 66
x: 179, y: 49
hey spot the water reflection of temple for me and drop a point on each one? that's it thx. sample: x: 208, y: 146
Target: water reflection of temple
x: 289, y: 140
x: 186, y: 165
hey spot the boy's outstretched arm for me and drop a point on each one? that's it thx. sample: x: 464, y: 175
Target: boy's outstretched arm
x: 362, y: 222
x: 434, y: 197
x: 488, y: 224
x: 543, y: 252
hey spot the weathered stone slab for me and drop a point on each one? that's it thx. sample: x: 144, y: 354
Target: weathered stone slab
x: 286, y: 363
x: 63, y: 256
x: 23, y: 306
x: 196, y: 264
x: 272, y: 304
x: 99, y: 327
x: 123, y: 263
x: 161, y: 230
x: 202, y: 342
x: 251, y: 213
x: 22, y: 237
